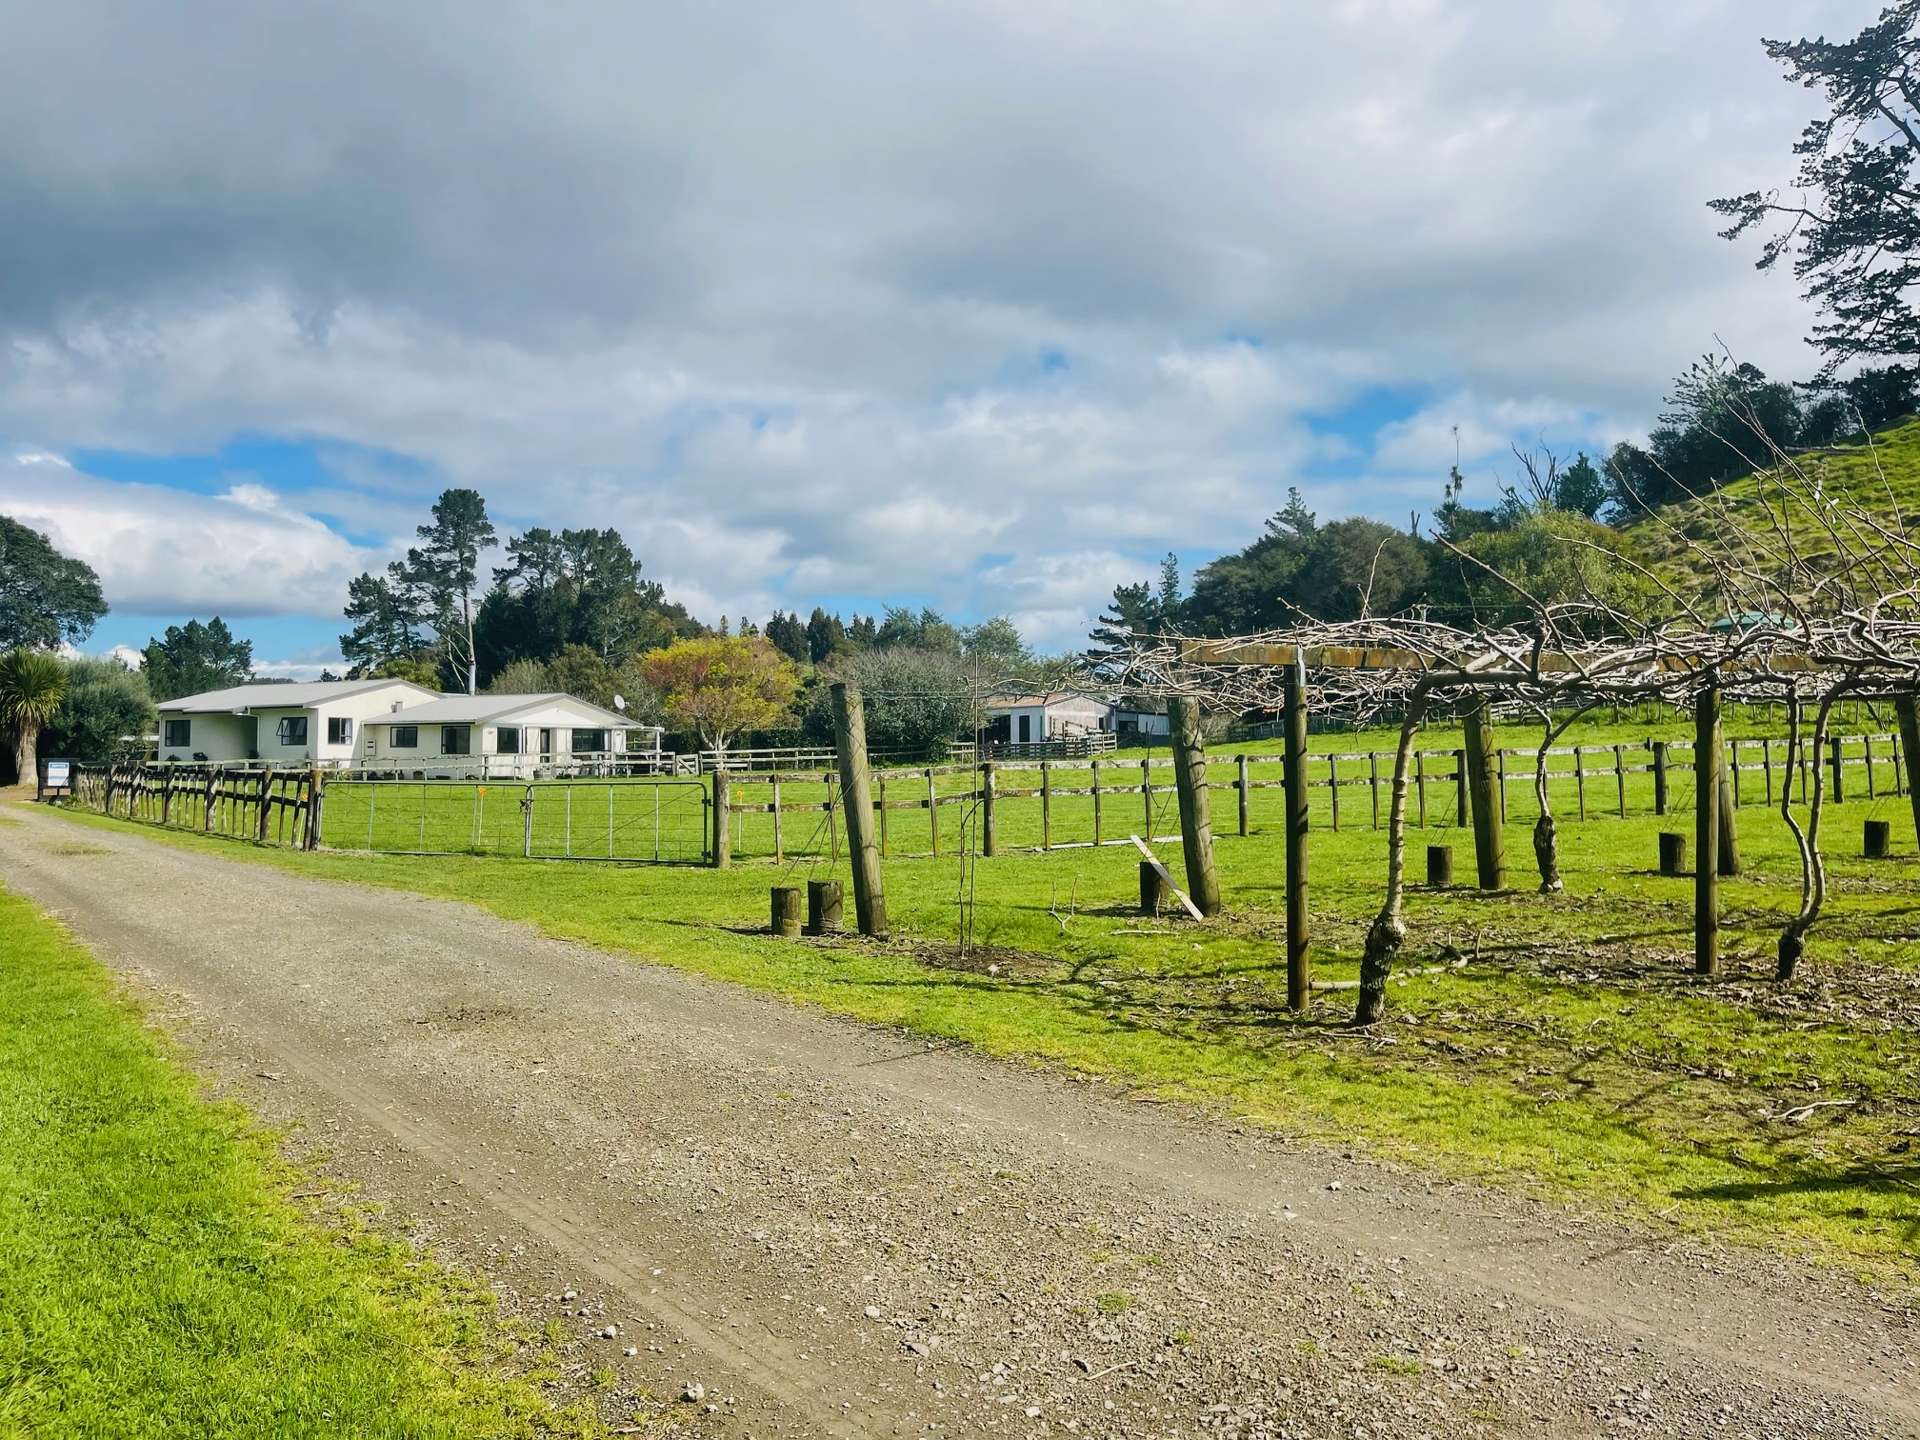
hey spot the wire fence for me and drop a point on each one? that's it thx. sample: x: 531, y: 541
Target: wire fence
x: 640, y: 819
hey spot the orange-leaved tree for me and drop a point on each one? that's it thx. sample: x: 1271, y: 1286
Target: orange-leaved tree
x: 722, y: 685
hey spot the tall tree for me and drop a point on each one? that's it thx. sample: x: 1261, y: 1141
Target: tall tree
x: 385, y: 629
x: 1854, y: 229
x: 789, y: 636
x: 194, y: 657
x: 825, y: 635
x: 31, y: 684
x: 437, y: 577
x: 46, y: 598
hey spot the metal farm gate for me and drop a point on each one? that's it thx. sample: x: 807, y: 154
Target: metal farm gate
x: 635, y: 820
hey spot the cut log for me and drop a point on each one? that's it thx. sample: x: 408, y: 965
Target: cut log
x: 786, y: 910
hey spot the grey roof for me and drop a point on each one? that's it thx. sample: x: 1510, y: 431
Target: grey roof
x: 480, y: 709
x: 269, y: 695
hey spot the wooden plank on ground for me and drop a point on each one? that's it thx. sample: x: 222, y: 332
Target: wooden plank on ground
x: 1154, y: 860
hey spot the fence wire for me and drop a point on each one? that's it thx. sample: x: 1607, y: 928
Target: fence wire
x: 639, y: 819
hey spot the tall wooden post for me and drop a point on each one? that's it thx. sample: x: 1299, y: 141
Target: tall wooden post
x: 264, y: 796
x: 1240, y: 766
x: 1488, y: 842
x: 1659, y: 777
x: 1046, y: 804
x: 1706, y: 831
x: 317, y: 805
x: 1839, y: 790
x: 1728, y: 858
x: 850, y: 739
x: 987, y: 836
x: 722, y: 820
x: 1460, y: 805
x: 1908, y: 710
x: 1294, y: 788
x: 1196, y: 811
x: 1096, y: 803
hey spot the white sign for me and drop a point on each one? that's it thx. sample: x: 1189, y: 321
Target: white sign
x: 58, y: 777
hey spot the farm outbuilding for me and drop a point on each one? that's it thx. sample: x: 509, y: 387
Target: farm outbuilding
x: 280, y: 723
x: 1032, y: 719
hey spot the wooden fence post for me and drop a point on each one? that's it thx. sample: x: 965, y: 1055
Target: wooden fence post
x: 1096, y: 802
x: 264, y: 799
x: 1620, y: 777
x: 1046, y: 805
x: 1906, y: 707
x: 856, y: 793
x: 1420, y: 783
x: 1373, y: 783
x: 1196, y: 810
x: 1833, y: 749
x: 1500, y: 769
x: 1146, y: 797
x: 933, y: 811
x: 1294, y: 776
x: 316, y: 803
x: 722, y: 828
x: 1241, y: 784
x: 1580, y: 779
x: 1659, y: 777
x: 1460, y: 803
x: 880, y: 804
x: 1766, y: 768
x: 1728, y: 858
x: 987, y: 836
x: 1706, y: 831
x: 206, y: 818
x: 1488, y: 842
x: 166, y: 797
x: 1333, y: 789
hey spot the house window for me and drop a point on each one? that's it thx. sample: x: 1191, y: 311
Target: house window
x: 456, y: 739
x: 180, y: 732
x: 292, y: 730
x: 585, y: 741
x: 508, y: 740
x: 406, y: 737
x: 339, y: 730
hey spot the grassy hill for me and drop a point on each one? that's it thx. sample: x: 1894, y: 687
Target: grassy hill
x: 1880, y: 477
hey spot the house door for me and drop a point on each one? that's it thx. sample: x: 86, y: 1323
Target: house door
x: 546, y: 744
x: 1026, y: 729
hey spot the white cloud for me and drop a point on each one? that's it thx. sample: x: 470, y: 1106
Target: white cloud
x: 809, y: 306
x: 159, y: 550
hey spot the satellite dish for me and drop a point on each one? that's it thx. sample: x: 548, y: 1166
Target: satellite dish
x: 620, y: 703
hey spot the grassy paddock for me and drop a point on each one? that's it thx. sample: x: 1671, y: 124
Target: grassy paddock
x: 1574, y: 1050
x: 158, y: 1278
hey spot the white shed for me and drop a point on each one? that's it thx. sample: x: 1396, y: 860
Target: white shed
x: 1033, y: 719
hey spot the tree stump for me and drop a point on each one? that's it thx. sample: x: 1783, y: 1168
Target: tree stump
x: 824, y: 901
x: 1879, y: 834
x: 786, y: 910
x: 1154, y: 895
x: 1439, y: 866
x: 1673, y: 853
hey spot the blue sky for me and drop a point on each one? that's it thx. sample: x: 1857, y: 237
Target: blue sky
x: 1035, y: 296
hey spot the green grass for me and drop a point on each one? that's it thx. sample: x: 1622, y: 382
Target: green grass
x: 158, y: 1278
x: 1575, y: 1054
x: 1882, y: 478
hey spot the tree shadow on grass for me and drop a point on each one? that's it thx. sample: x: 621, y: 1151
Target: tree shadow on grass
x: 1899, y: 1181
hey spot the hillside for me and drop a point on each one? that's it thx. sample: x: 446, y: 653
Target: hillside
x: 1880, y: 477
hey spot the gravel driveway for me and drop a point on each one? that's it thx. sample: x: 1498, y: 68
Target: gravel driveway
x: 810, y: 1227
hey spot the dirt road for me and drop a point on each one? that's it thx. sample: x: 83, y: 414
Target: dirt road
x: 834, y: 1230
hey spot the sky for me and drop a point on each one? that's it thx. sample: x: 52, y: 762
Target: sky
x: 986, y: 306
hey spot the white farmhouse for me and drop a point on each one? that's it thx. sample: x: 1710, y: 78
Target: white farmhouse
x: 281, y: 724
x: 504, y: 735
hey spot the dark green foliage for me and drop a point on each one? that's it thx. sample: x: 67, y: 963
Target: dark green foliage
x: 917, y: 701
x: 435, y: 581
x: 788, y: 635
x: 194, y: 657
x: 1853, y: 224
x: 825, y: 635
x: 573, y: 588
x: 46, y: 598
x: 384, y: 627
x: 104, y: 702
x: 904, y: 629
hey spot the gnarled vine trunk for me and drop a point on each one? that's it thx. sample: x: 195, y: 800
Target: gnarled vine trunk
x: 1813, y: 868
x: 1546, y: 833
x: 1389, y: 929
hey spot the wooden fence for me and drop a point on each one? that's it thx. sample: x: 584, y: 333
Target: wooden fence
x: 1067, y: 804
x: 264, y: 805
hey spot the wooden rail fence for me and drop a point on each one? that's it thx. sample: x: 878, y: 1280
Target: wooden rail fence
x: 264, y: 805
x: 1134, y: 797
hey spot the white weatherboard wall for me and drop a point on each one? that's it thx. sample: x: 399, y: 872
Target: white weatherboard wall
x: 220, y: 735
